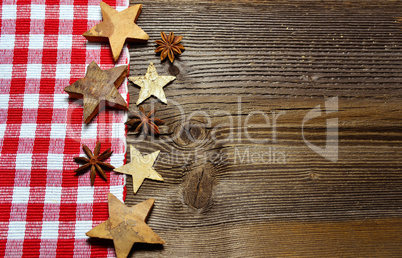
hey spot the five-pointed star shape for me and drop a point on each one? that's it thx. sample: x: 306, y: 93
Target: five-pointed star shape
x: 126, y: 226
x: 117, y: 28
x: 140, y: 167
x: 151, y: 84
x: 97, y: 87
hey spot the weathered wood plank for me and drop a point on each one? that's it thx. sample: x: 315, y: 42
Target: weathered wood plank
x: 273, y: 239
x: 227, y: 195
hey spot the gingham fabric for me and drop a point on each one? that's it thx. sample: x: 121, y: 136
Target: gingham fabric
x: 45, y: 209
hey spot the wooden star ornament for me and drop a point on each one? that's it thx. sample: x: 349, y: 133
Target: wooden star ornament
x: 117, y: 28
x: 99, y: 87
x: 140, y: 167
x: 126, y: 226
x: 151, y: 84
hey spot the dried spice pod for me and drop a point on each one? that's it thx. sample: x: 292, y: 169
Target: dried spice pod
x: 95, y: 162
x: 169, y: 46
x: 146, y: 123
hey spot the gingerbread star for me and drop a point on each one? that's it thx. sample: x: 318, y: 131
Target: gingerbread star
x: 151, y: 84
x: 117, y: 28
x: 97, y: 87
x: 140, y: 167
x: 126, y: 226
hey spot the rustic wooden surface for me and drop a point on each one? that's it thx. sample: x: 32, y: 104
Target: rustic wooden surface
x: 275, y: 56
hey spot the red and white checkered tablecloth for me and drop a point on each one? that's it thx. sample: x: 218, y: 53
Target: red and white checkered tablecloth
x: 45, y: 209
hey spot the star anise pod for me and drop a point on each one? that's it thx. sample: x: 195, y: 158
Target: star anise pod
x: 169, y: 46
x: 94, y: 162
x: 146, y: 123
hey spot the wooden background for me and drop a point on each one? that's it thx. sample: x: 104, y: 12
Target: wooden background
x: 222, y: 195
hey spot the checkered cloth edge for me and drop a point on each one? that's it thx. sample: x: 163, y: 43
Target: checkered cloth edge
x: 45, y: 209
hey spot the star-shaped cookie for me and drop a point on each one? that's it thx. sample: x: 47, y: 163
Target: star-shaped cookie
x: 151, y: 84
x: 117, y: 28
x: 99, y: 87
x: 140, y: 167
x: 126, y: 226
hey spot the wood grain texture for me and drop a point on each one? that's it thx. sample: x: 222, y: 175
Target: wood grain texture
x: 225, y: 193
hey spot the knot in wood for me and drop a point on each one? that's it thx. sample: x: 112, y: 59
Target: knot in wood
x: 190, y: 134
x: 174, y: 70
x: 198, y: 186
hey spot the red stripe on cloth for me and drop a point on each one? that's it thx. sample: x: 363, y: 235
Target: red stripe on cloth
x: 15, y: 117
x: 40, y: 148
x: 68, y: 207
x: 100, y: 212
